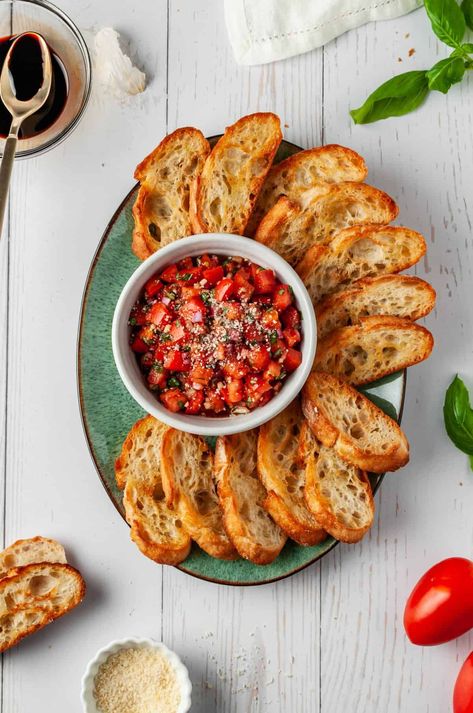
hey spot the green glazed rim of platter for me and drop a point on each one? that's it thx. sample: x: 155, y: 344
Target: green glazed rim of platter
x: 108, y: 411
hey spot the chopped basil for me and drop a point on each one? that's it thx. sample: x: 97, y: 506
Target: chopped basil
x: 132, y: 321
x: 157, y: 367
x: 185, y: 276
x: 281, y: 376
x: 277, y: 353
x: 206, y: 296
x: 273, y: 337
x: 170, y: 295
x: 181, y: 404
x: 173, y: 381
x: 186, y: 348
x: 165, y: 337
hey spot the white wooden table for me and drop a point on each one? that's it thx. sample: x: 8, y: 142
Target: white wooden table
x: 329, y: 639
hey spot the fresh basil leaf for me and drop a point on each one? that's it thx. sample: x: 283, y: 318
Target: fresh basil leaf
x: 468, y: 46
x: 396, y: 97
x: 446, y: 73
x: 458, y: 416
x: 383, y: 404
x: 467, y: 9
x: 448, y: 21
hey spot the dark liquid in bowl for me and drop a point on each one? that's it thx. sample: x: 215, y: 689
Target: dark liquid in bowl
x: 26, y: 68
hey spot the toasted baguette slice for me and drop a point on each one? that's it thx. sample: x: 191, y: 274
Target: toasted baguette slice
x: 255, y: 535
x: 187, y: 466
x: 226, y: 191
x: 155, y: 528
x: 339, y: 495
x: 31, y: 551
x: 394, y: 295
x: 161, y: 210
x: 374, y: 348
x: 345, y: 420
x: 282, y: 472
x: 292, y: 227
x: 35, y: 595
x: 361, y: 251
x: 296, y: 174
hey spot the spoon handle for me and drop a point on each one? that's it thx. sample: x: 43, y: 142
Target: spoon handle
x: 5, y: 171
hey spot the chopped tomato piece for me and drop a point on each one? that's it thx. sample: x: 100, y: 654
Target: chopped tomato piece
x: 292, y: 336
x: 253, y: 333
x: 265, y: 282
x: 188, y: 292
x: 220, y: 352
x: 235, y: 391
x: 138, y: 316
x: 194, y: 402
x: 201, y: 375
x: 267, y: 396
x: 244, y: 288
x: 290, y: 317
x: 270, y: 319
x: 152, y: 287
x: 185, y: 263
x: 208, y: 260
x: 224, y: 289
x: 214, y: 402
x: 194, y: 310
x: 258, y: 358
x: 177, y: 361
x: 235, y: 368
x: 293, y: 359
x: 160, y: 352
x: 159, y: 314
x: 232, y: 310
x: 282, y: 297
x: 178, y: 332
x: 147, y: 360
x: 273, y: 371
x: 157, y: 377
x: 254, y: 270
x: 190, y: 275
x: 173, y: 399
x: 139, y: 346
x: 169, y: 274
x: 147, y: 334
x: 256, y: 387
x: 279, y: 349
x: 213, y: 274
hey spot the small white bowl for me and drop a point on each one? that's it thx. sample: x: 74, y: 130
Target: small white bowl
x: 182, y: 675
x: 217, y: 244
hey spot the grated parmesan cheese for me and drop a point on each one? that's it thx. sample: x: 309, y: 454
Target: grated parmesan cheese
x: 136, y: 681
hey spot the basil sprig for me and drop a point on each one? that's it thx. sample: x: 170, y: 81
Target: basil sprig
x: 458, y: 417
x: 405, y: 92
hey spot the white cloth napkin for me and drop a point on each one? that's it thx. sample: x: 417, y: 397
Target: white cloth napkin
x: 263, y: 31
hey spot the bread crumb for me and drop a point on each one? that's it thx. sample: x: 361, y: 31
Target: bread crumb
x: 136, y: 680
x: 408, y: 34
x: 411, y: 51
x: 399, y: 59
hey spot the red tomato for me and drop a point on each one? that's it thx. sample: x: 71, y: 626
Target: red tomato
x: 147, y: 334
x: 292, y: 336
x: 244, y: 288
x: 157, y: 377
x: 139, y: 346
x: 224, y: 289
x: 152, y: 287
x: 214, y: 402
x: 201, y: 375
x: 273, y: 371
x: 264, y: 281
x: 194, y: 310
x: 440, y: 607
x: 188, y: 292
x: 282, y: 297
x: 290, y: 317
x: 208, y: 260
x: 235, y: 368
x: 258, y: 358
x: 270, y: 319
x: 169, y: 274
x: 189, y: 274
x: 292, y: 359
x: 176, y: 361
x: 159, y: 314
x: 177, y: 332
x: 235, y: 391
x: 463, y: 691
x: 185, y: 263
x: 173, y: 399
x: 213, y: 275
x: 232, y: 310
x: 194, y: 402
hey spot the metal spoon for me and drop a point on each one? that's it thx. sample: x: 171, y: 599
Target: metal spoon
x: 19, y: 110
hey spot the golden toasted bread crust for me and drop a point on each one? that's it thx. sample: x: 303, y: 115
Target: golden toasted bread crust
x: 334, y: 409
x: 187, y: 470
x: 38, y: 604
x: 301, y: 171
x: 161, y: 209
x: 373, y: 348
x: 237, y: 166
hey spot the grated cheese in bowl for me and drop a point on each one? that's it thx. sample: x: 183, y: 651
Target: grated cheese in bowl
x: 136, y: 676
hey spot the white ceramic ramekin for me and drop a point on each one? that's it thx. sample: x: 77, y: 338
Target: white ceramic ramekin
x: 182, y: 675
x: 218, y: 244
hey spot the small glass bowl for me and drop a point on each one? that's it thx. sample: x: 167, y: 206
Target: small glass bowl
x: 17, y: 16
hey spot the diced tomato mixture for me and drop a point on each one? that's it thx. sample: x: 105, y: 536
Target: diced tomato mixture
x: 215, y: 336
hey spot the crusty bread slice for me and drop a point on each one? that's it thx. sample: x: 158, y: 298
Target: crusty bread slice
x: 30, y: 551
x: 187, y: 466
x: 373, y: 348
x: 339, y: 494
x: 303, y: 170
x: 161, y: 209
x: 282, y: 472
x: 35, y: 595
x: 225, y: 192
x: 255, y: 535
x: 155, y: 528
x: 357, y: 252
x: 394, y: 295
x: 292, y: 227
x: 347, y: 421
